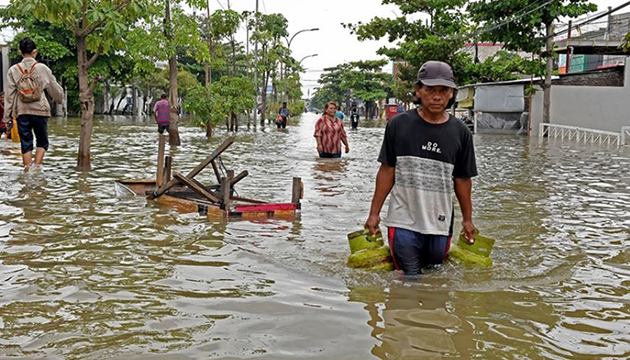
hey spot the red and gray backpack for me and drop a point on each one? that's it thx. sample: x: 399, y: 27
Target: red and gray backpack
x: 27, y: 87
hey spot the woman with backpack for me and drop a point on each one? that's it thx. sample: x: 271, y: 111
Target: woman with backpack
x: 25, y: 101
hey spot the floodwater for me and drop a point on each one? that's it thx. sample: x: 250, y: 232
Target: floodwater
x: 86, y: 273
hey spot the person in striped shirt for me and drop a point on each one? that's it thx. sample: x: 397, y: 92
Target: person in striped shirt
x: 329, y: 133
x: 162, y: 113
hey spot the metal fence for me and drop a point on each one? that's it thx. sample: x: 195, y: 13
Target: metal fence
x: 625, y: 135
x: 583, y: 135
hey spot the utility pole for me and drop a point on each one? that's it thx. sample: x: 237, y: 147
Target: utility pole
x: 547, y: 86
x: 609, y: 23
x: 569, y: 47
x: 173, y: 132
x: 209, y: 29
x: 256, y: 65
x: 476, y: 50
x: 247, y: 64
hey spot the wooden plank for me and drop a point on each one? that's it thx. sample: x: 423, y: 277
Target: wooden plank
x: 216, y: 171
x: 298, y: 190
x: 181, y: 205
x: 195, y: 186
x: 206, y: 189
x: 168, y: 163
x: 238, y: 198
x: 159, y: 192
x: 279, y: 214
x: 226, y: 187
x: 159, y: 179
x: 214, y: 213
x: 239, y: 177
x: 265, y: 207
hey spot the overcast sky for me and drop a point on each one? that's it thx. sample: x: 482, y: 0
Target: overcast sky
x: 332, y: 43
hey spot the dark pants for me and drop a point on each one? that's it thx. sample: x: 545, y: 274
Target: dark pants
x: 412, y: 250
x: 283, y: 123
x: 29, y: 124
x: 329, y: 155
x: 161, y: 128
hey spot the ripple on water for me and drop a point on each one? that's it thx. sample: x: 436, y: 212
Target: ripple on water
x: 86, y: 272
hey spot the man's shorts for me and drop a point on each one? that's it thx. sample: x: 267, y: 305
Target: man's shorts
x: 325, y: 155
x: 412, y: 251
x: 29, y: 124
x: 162, y: 128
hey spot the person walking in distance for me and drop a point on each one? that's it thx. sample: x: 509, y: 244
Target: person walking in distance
x: 354, y: 118
x: 284, y: 114
x: 162, y: 113
x: 329, y: 133
x: 25, y: 101
x: 426, y: 155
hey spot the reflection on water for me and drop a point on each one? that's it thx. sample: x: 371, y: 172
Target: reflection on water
x: 86, y: 272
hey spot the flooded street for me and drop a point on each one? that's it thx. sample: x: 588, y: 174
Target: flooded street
x: 89, y: 273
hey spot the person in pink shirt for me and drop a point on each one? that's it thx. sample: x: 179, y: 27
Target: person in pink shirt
x: 329, y: 133
x: 162, y: 113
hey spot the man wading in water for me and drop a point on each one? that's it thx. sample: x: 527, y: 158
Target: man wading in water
x: 426, y: 154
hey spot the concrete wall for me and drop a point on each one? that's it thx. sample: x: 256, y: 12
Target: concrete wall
x: 6, y: 64
x: 593, y: 107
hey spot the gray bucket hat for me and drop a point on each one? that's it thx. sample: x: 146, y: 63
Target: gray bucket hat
x: 436, y: 73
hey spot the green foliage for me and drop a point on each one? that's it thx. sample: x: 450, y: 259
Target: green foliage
x: 625, y: 43
x: 57, y: 48
x: 152, y: 42
x: 225, y: 23
x: 503, y: 66
x: 360, y: 79
x: 295, y: 108
x: 104, y: 22
x: 530, y: 91
x: 216, y: 102
x: 418, y: 42
x: 402, y: 87
x: 366, y: 81
x: 524, y: 20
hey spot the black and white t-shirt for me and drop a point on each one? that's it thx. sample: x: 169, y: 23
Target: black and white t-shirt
x: 427, y: 157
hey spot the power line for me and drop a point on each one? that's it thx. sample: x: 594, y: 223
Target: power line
x: 222, y: 7
x: 605, y: 13
x: 488, y: 29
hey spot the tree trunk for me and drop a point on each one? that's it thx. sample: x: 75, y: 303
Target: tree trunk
x: 106, y: 97
x: 173, y: 132
x: 209, y: 129
x: 86, y: 96
x: 233, y: 57
x: 547, y: 86
x: 263, y: 100
x: 145, y: 108
x: 207, y: 67
x: 233, y: 122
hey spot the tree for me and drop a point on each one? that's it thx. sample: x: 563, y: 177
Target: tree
x: 528, y: 26
x: 332, y: 89
x: 360, y: 79
x: 168, y: 31
x: 215, y: 102
x: 367, y: 82
x: 417, y: 41
x: 98, y: 27
x: 503, y: 65
x: 268, y: 30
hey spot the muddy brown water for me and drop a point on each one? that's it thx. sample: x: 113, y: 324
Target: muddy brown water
x: 86, y: 273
